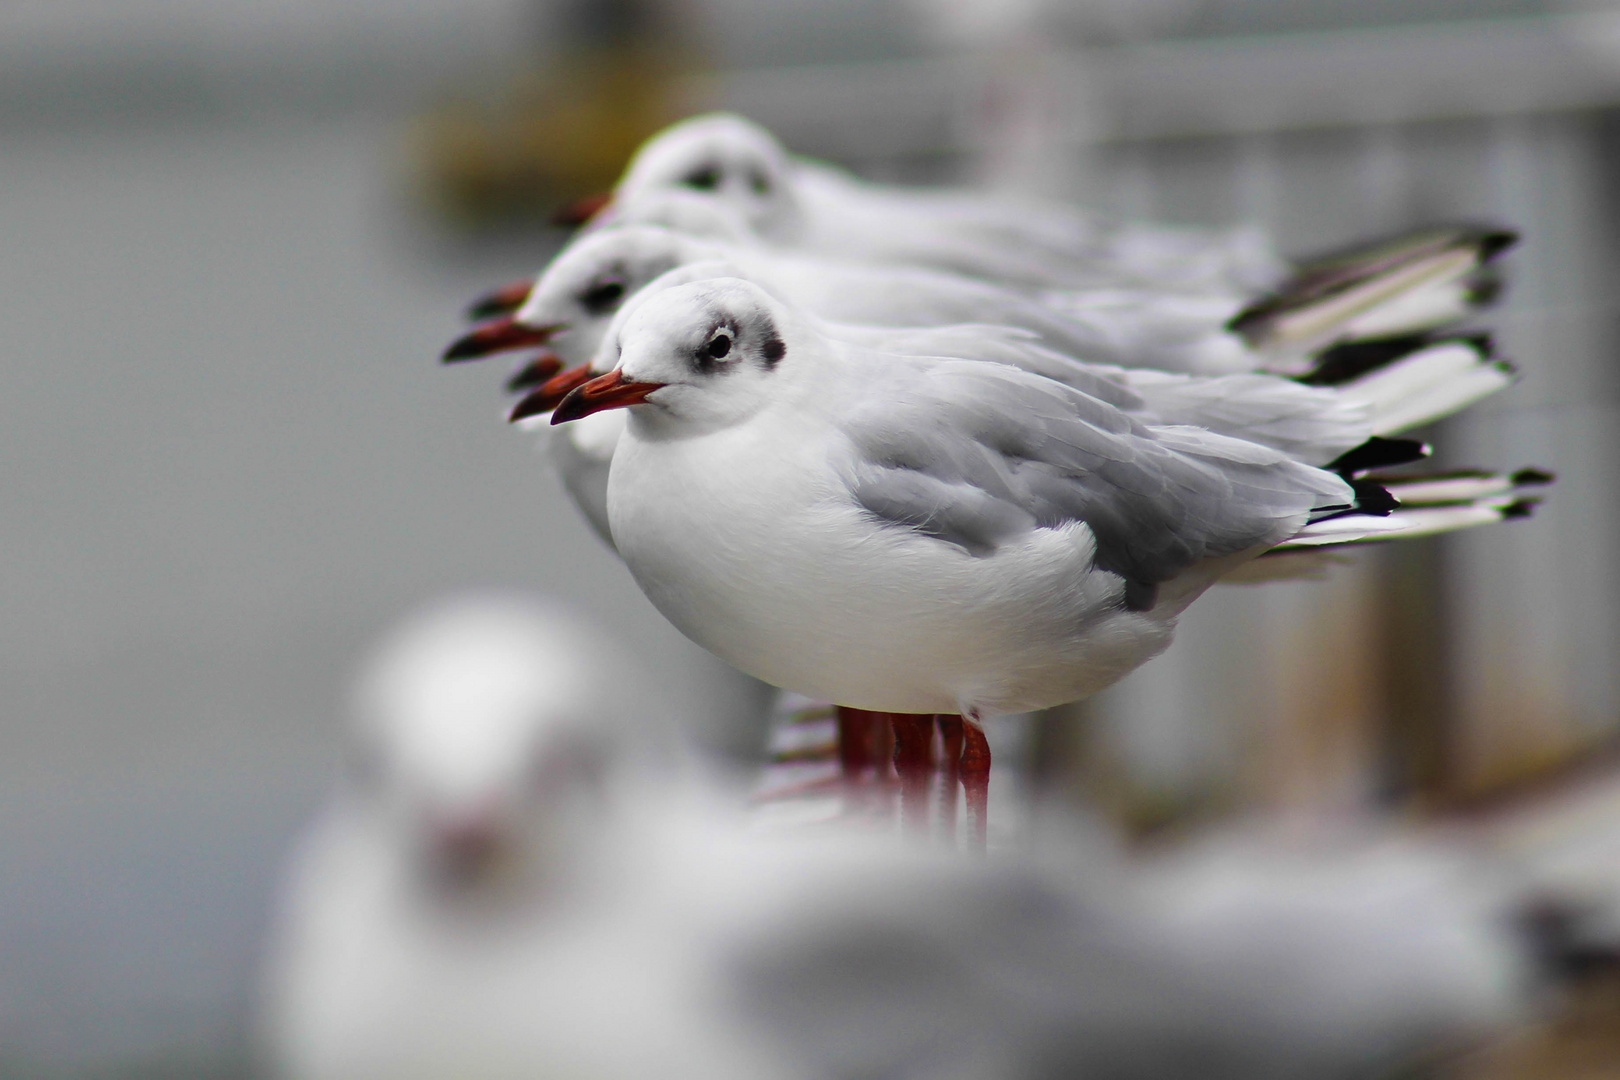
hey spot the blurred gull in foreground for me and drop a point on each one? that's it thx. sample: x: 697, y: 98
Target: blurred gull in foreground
x: 502, y: 889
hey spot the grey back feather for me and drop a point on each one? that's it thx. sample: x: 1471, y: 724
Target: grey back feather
x: 978, y: 455
x: 1308, y: 423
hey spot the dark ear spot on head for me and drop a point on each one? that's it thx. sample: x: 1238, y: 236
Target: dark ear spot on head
x: 603, y: 296
x: 705, y: 177
x: 772, y: 349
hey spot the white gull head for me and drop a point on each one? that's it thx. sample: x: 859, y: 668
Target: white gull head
x: 709, y: 351
x: 484, y: 730
x: 725, y: 157
x: 587, y: 284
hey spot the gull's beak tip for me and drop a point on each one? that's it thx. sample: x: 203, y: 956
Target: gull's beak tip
x: 500, y: 335
x: 610, y: 391
x: 548, y: 395
x: 537, y: 372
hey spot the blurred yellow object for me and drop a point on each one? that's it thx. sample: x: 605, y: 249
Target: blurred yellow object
x: 552, y: 137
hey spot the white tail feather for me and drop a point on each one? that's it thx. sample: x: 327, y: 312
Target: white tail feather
x: 1434, y: 303
x: 1427, y: 385
x: 1385, y: 299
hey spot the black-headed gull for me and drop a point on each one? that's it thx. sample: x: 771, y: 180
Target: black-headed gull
x: 799, y: 203
x: 796, y: 202
x: 911, y: 534
x: 622, y: 930
x: 1420, y: 281
x: 574, y: 299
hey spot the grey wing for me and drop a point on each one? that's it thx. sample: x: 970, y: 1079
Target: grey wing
x: 1308, y: 423
x: 906, y: 296
x: 977, y: 455
x: 1168, y: 331
x: 1000, y: 344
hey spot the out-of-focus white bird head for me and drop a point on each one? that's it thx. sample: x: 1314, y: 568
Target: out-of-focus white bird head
x: 707, y: 353
x: 725, y: 157
x: 587, y: 284
x: 484, y: 735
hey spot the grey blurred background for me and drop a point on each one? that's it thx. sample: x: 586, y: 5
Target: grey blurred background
x: 234, y: 236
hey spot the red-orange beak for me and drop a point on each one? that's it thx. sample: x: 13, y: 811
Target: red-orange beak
x: 551, y: 393
x: 610, y: 391
x: 534, y: 373
x: 502, y: 301
x: 502, y: 335
x: 578, y: 213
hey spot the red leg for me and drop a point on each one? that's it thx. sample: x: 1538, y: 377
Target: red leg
x: 855, y: 742
x: 883, y: 753
x: 865, y: 753
x: 950, y: 738
x: 913, y: 763
x: 976, y: 784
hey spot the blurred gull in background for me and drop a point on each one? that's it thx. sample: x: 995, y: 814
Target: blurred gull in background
x: 503, y: 887
x: 804, y: 204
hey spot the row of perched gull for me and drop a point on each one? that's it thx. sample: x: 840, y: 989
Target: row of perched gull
x: 928, y: 457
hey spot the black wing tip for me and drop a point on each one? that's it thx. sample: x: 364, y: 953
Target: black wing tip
x: 1331, y: 272
x: 1373, y: 499
x: 1493, y: 240
x: 1378, y: 452
x: 1530, y: 476
x: 1520, y: 509
x: 1350, y: 360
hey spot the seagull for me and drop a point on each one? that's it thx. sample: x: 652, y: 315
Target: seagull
x: 502, y: 888
x: 445, y: 915
x: 798, y: 203
x: 925, y: 536
x: 1382, y: 290
x: 570, y: 304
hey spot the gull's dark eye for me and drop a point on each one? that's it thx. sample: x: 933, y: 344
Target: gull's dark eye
x: 703, y: 178
x: 759, y: 182
x: 718, y: 347
x: 602, y: 297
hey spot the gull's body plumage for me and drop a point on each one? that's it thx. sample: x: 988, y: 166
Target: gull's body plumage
x: 922, y: 535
